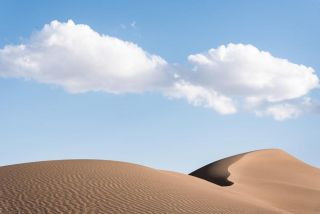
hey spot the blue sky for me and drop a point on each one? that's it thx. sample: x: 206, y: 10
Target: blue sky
x: 40, y: 121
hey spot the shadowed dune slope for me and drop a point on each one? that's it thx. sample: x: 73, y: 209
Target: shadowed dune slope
x: 96, y: 186
x: 272, y: 176
x: 217, y: 172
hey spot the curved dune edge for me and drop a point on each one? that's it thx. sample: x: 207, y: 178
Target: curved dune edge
x: 278, y: 179
x: 218, y: 171
x: 270, y: 176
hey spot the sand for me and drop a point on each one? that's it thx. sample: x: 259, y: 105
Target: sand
x: 101, y: 186
x: 218, y: 171
x: 270, y: 176
x: 279, y: 179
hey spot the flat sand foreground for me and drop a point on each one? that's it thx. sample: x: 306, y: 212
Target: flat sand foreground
x: 265, y: 181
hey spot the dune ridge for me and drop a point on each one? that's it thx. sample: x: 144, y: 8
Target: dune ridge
x: 271, y: 176
x: 102, y: 186
x: 279, y: 179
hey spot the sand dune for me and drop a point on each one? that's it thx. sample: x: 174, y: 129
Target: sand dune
x: 278, y: 178
x: 271, y: 176
x: 98, y: 186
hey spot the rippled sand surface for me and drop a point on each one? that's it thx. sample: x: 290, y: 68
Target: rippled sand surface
x: 100, y: 186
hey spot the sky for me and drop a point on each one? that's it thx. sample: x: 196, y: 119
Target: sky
x: 171, y: 85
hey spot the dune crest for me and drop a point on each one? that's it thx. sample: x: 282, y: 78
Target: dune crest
x: 271, y: 176
x: 278, y: 178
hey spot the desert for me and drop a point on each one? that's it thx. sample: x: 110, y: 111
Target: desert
x: 264, y: 181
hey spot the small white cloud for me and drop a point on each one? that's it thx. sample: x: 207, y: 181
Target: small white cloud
x: 287, y: 110
x: 281, y: 111
x: 200, y: 96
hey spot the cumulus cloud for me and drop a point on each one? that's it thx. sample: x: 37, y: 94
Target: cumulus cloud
x: 243, y: 70
x: 262, y: 82
x: 227, y: 79
x: 79, y: 59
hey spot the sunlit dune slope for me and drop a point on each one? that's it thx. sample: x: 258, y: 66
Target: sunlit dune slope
x: 271, y: 176
x: 96, y: 186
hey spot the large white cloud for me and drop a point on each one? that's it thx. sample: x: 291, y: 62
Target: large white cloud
x: 79, y: 59
x: 262, y: 82
x: 227, y: 79
x: 243, y: 70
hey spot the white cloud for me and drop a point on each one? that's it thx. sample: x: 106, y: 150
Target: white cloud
x: 200, y: 96
x: 79, y: 59
x: 243, y: 70
x: 227, y: 79
x: 260, y: 81
x: 281, y: 111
